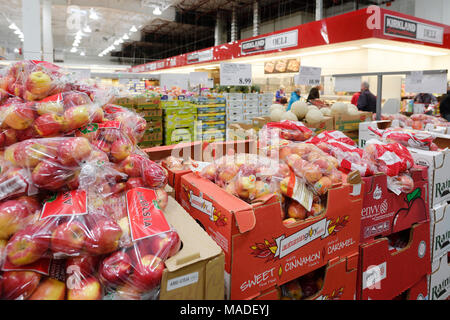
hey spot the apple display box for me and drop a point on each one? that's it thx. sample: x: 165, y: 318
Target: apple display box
x: 419, y: 291
x: 440, y: 231
x: 385, y: 212
x: 365, y: 134
x: 385, y: 272
x: 339, y: 282
x: 260, y: 251
x: 439, y: 286
x: 198, y: 151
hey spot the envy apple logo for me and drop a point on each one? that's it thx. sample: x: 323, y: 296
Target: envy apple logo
x: 377, y: 194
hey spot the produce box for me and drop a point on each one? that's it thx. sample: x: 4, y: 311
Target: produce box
x: 240, y: 131
x: 419, y: 291
x: 210, y: 125
x: 259, y: 122
x: 196, y: 272
x: 384, y: 212
x: 148, y: 101
x: 251, y: 104
x: 325, y: 125
x: 365, y: 134
x: 440, y: 231
x: 234, y: 96
x: 345, y: 122
x: 209, y: 135
x: 251, y: 96
x: 260, y: 251
x: 339, y: 282
x: 174, y: 103
x: 127, y: 101
x: 211, y: 117
x: 149, y: 111
x: 150, y: 143
x: 439, y: 286
x: 385, y: 272
x: 213, y: 108
x: 183, y: 134
x: 179, y: 122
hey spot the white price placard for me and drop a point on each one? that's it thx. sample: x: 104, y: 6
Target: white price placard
x: 235, y: 74
x: 349, y: 84
x: 308, y: 76
x: 196, y: 78
x: 169, y: 80
x: 209, y: 83
x: 417, y: 82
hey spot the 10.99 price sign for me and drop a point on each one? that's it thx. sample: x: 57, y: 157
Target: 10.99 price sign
x: 308, y: 76
x: 235, y: 74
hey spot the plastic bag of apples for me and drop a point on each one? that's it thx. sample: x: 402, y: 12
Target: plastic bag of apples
x: 285, y: 129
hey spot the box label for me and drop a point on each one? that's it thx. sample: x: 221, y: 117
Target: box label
x: 145, y: 217
x: 201, y: 204
x: 182, y: 281
x: 65, y: 204
x: 373, y: 276
x: 12, y: 186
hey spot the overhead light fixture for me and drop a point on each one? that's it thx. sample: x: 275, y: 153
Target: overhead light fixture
x: 125, y: 37
x: 87, y: 29
x: 157, y: 11
x: 21, y: 39
x: 120, y: 40
x: 73, y: 50
x: 403, y: 49
x: 133, y: 29
x: 17, y: 31
x: 82, y: 53
x: 16, y: 50
x: 93, y: 14
x: 75, y: 44
x: 116, y: 42
x: 13, y: 26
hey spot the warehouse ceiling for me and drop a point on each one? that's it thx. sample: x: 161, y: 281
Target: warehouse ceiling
x: 162, y: 28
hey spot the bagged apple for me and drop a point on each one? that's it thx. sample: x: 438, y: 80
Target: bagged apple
x: 285, y: 129
x: 34, y: 80
x: 132, y: 124
x: 17, y: 213
x: 304, y: 287
x: 408, y: 138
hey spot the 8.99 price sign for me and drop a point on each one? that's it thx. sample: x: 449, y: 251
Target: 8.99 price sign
x: 235, y: 74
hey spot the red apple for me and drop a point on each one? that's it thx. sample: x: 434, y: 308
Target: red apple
x: 39, y: 83
x: 30, y: 152
x: 49, y: 289
x: 26, y: 247
x: 120, y: 149
x: 148, y: 272
x: 86, y: 265
x: 134, y: 183
x: 31, y: 203
x: 104, y: 236
x: 118, y: 187
x: 116, y: 268
x: 48, y: 124
x: 102, y: 145
x: 296, y: 211
x: 128, y: 292
x: 69, y: 238
x: 50, y: 107
x: 96, y: 114
x: 75, y: 98
x: 131, y: 165
x: 2, y: 256
x: 88, y: 289
x: 76, y: 117
x: 19, y: 284
x: 162, y: 198
x: 154, y: 175
x: 164, y: 245
x: 73, y: 150
x: 19, y: 117
x: 289, y: 221
x: 49, y: 175
x: 12, y: 215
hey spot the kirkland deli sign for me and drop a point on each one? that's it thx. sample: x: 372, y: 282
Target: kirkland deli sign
x: 276, y: 41
x: 405, y: 28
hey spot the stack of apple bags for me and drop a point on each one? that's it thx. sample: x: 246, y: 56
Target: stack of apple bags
x: 77, y: 196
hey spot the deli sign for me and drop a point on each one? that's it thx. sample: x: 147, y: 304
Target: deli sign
x: 410, y: 29
x: 273, y: 42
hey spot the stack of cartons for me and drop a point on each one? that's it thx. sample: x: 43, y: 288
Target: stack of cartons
x: 265, y: 101
x: 179, y: 121
x: 149, y: 107
x: 211, y: 119
x: 349, y: 124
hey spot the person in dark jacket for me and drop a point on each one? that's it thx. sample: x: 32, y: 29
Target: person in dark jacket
x: 425, y: 98
x: 313, y: 94
x: 367, y: 101
x: 444, y: 106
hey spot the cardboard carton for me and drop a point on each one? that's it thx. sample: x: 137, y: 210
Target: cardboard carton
x: 196, y: 272
x: 439, y: 287
x: 418, y: 291
x: 365, y: 134
x: 339, y: 282
x: 386, y: 272
x: 440, y: 231
x: 384, y: 212
x: 260, y: 251
x: 345, y: 122
x: 326, y: 124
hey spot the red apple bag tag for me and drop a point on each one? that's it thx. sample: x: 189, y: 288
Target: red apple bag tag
x: 65, y: 204
x: 145, y: 216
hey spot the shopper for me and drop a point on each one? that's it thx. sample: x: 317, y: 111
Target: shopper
x: 295, y: 96
x: 355, y: 98
x: 367, y: 101
x: 444, y: 106
x: 280, y: 94
x: 313, y: 94
x: 425, y: 98
x: 283, y: 101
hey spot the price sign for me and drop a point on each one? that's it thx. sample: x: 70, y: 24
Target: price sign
x: 196, y: 78
x: 235, y: 74
x: 349, y: 84
x: 417, y: 82
x: 308, y: 76
x: 170, y: 80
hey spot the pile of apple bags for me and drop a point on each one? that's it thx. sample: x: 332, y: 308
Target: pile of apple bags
x: 70, y: 171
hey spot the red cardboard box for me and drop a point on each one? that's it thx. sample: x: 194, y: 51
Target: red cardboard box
x: 386, y: 272
x: 261, y: 252
x: 339, y: 282
x: 199, y: 151
x: 385, y: 213
x: 418, y: 291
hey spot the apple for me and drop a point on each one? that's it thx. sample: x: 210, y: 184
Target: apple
x: 311, y: 173
x: 73, y: 150
x: 165, y: 245
x: 29, y: 153
x: 99, y: 156
x: 128, y: 292
x: 228, y: 172
x: 102, y: 145
x: 134, y: 183
x: 9, y: 136
x: 246, y: 187
x: 26, y: 247
x: 154, y: 175
x: 49, y: 175
x: 2, y: 256
x: 89, y: 289
x: 31, y: 203
x: 48, y: 124
x: 120, y: 149
x: 19, y: 284
x: 289, y: 221
x: 323, y: 185
x: 96, y: 114
x: 28, y: 133
x: 87, y: 265
x: 162, y: 198
x: 75, y: 98
x: 209, y: 172
x: 69, y: 237
x: 38, y: 83
x: 50, y: 107
x: 19, y: 117
x: 116, y: 268
x: 73, y: 182
x: 131, y: 165
x: 12, y: 215
x: 104, y: 236
x: 49, y: 289
x: 148, y: 272
x: 76, y: 117
x: 296, y: 210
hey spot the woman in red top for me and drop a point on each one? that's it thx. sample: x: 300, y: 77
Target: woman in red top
x: 355, y: 98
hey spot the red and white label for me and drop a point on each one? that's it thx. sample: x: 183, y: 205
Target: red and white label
x: 109, y: 125
x: 41, y: 266
x: 66, y: 204
x: 145, y: 217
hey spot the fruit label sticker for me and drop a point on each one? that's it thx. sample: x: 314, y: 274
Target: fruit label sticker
x: 145, y: 217
x: 91, y: 127
x: 12, y: 186
x: 41, y: 266
x: 65, y: 204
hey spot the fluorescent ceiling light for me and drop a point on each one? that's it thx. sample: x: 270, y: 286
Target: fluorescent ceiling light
x: 82, y: 53
x: 116, y: 42
x: 73, y: 50
x: 17, y: 31
x: 21, y: 39
x: 133, y: 29
x: 157, y: 11
x: 93, y: 14
x: 12, y: 26
x: 75, y: 44
x: 125, y: 37
x: 403, y: 49
x: 120, y: 40
x: 87, y: 29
